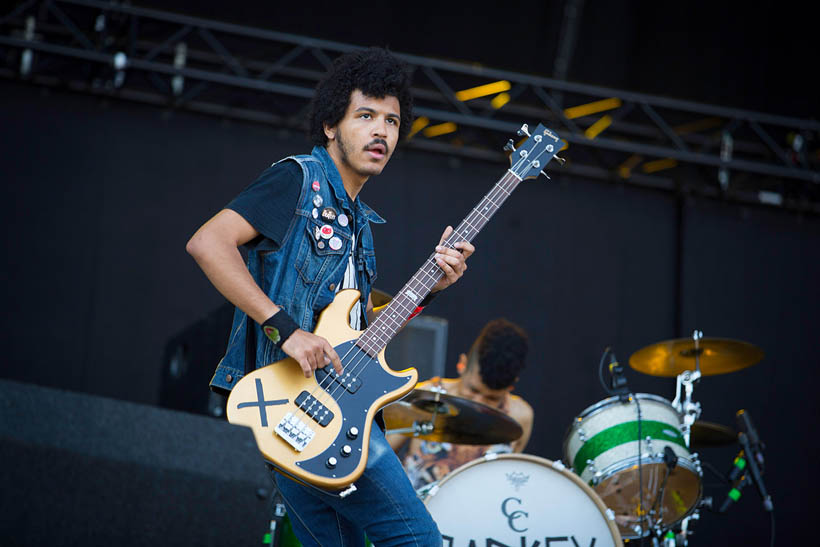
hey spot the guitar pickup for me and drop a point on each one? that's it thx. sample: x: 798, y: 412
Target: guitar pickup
x: 313, y: 408
x: 294, y: 431
x: 350, y: 383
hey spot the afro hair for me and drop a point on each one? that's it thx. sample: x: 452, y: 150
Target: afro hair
x: 500, y: 352
x: 376, y: 73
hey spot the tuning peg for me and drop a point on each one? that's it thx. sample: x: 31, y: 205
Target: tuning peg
x: 510, y: 146
x: 523, y: 131
x: 560, y: 160
x: 546, y: 175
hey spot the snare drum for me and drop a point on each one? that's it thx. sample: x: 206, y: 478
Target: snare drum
x: 517, y: 499
x: 602, y: 447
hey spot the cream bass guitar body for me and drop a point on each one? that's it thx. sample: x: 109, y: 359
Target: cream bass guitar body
x: 316, y: 430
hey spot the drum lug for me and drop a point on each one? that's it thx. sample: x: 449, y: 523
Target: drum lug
x: 610, y: 514
x: 696, y: 462
x: 582, y: 435
x: 596, y: 475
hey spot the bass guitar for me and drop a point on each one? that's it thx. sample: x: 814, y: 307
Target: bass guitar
x: 316, y: 430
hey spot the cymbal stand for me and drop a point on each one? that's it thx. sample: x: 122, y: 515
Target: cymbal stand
x: 426, y: 426
x: 689, y: 409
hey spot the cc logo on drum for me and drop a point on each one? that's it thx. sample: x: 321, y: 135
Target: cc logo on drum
x: 511, y: 517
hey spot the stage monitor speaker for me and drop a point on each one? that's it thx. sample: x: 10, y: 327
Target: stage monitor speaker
x: 422, y: 344
x: 189, y: 361
x: 85, y: 470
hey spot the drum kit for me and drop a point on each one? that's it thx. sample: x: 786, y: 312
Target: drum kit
x: 628, y: 470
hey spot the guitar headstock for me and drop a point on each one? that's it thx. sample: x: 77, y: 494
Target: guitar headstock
x: 529, y: 159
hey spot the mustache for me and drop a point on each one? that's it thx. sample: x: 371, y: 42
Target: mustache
x: 378, y: 141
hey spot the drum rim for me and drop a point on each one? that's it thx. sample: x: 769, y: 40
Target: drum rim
x: 599, y: 407
x: 593, y: 409
x: 633, y: 460
x: 561, y: 468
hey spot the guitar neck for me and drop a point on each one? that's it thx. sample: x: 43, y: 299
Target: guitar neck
x: 398, y: 311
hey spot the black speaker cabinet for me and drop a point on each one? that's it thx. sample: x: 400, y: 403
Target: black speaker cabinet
x: 421, y: 344
x: 86, y: 470
x: 189, y: 361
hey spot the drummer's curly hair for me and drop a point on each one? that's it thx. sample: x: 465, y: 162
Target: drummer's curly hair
x: 376, y: 72
x: 500, y: 351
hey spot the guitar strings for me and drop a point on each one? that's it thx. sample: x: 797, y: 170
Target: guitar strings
x: 436, y: 274
x: 432, y: 278
x: 362, y: 353
x: 363, y: 356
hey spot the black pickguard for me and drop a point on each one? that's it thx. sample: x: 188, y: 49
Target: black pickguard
x: 374, y: 383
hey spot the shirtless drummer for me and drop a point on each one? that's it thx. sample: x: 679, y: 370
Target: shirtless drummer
x: 487, y: 375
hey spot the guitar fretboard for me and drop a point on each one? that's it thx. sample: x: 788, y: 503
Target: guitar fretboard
x: 398, y: 311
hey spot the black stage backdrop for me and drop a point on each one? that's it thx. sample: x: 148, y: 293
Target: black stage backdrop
x: 99, y: 199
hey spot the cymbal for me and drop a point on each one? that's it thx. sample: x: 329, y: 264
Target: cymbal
x: 379, y: 298
x: 717, y: 356
x: 457, y: 420
x: 711, y: 434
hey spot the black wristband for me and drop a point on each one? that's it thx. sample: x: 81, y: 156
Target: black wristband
x: 427, y: 299
x: 279, y: 327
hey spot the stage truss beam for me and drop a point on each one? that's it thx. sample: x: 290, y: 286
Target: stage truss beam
x: 178, y: 61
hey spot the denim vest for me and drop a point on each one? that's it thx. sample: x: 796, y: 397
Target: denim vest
x: 300, y: 277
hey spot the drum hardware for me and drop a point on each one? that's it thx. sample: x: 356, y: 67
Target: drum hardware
x: 687, y: 379
x: 433, y: 415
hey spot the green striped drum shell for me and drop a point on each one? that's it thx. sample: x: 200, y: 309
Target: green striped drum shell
x: 606, y: 434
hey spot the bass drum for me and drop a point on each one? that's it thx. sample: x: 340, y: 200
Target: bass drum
x: 518, y: 499
x: 602, y: 447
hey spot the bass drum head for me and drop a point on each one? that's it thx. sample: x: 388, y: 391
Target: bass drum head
x: 518, y: 499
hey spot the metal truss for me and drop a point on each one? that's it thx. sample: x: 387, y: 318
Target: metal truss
x: 181, y: 62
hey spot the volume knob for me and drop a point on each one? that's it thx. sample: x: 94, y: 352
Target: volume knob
x: 346, y: 450
x: 353, y: 432
x: 331, y: 463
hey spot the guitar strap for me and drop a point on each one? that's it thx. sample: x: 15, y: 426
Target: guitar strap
x: 250, y: 345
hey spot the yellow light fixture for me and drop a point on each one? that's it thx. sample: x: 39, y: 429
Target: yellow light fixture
x: 483, y: 90
x: 592, y: 108
x: 595, y: 129
x: 418, y: 124
x: 440, y: 129
x: 625, y: 169
x: 659, y: 165
x: 500, y: 100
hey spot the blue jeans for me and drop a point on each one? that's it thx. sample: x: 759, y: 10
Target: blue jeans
x: 384, y: 506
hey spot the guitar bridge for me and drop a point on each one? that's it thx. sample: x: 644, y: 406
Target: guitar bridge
x: 350, y: 383
x: 294, y: 431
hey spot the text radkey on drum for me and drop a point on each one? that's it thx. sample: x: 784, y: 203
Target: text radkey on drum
x: 549, y: 541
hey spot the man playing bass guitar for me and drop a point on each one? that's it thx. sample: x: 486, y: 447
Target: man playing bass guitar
x: 308, y: 236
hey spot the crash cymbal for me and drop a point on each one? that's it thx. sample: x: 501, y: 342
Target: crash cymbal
x: 435, y: 416
x: 711, y: 434
x: 717, y: 356
x: 379, y: 298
